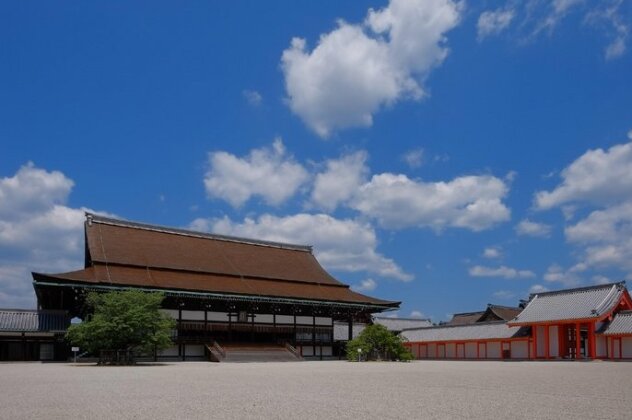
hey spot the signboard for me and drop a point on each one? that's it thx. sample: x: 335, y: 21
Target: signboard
x: 75, y: 349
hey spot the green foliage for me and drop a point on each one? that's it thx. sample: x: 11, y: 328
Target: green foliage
x: 377, y: 343
x: 128, y: 320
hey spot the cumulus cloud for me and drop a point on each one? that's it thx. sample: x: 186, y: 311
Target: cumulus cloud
x: 268, y: 172
x: 253, y: 97
x: 417, y: 314
x: 340, y: 180
x: 38, y: 231
x: 492, y: 22
x: 358, y: 68
x: 598, y: 177
x: 492, y: 252
x: 502, y: 271
x: 504, y: 294
x: 414, y: 158
x: 538, y: 288
x: 602, y: 179
x: 396, y: 201
x: 344, y: 245
x: 568, y: 278
x: 527, y: 227
x: 366, y: 285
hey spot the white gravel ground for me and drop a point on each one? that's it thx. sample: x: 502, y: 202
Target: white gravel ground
x: 319, y: 390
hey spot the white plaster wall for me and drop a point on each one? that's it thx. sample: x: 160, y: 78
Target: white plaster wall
x: 285, y: 319
x: 459, y: 351
x: 554, y: 348
x: 192, y: 350
x: 450, y: 350
x: 264, y: 318
x: 493, y: 350
x: 432, y: 351
x: 423, y: 352
x: 615, y: 344
x: 307, y: 351
x: 470, y: 350
x: 626, y: 347
x: 327, y: 351
x: 173, y: 313
x: 218, y: 316
x: 519, y: 349
x: 441, y: 352
x: 482, y: 351
x: 540, y: 341
x: 414, y: 349
x: 171, y: 351
x: 322, y: 320
x: 602, y: 349
x: 304, y: 320
x: 193, y: 315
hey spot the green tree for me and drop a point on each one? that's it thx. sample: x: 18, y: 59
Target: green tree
x: 377, y: 343
x: 127, y: 320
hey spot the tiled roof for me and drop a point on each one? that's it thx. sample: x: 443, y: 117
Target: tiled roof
x: 580, y: 303
x: 129, y: 254
x: 341, y: 330
x: 478, y: 331
x: 16, y: 320
x: 620, y: 325
x: 465, y: 318
x: 399, y: 324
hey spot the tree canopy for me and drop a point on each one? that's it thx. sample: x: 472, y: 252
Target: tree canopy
x: 377, y: 343
x: 127, y: 320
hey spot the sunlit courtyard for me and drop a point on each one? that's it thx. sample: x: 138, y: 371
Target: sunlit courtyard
x: 318, y: 390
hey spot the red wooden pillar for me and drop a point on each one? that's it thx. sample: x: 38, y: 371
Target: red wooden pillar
x: 578, y: 341
x: 611, y: 347
x: 546, y: 341
x: 478, y: 350
x: 561, y: 346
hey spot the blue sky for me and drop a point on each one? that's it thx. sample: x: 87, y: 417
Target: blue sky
x: 445, y: 154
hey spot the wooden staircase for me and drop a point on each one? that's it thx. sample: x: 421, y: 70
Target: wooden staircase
x: 244, y: 353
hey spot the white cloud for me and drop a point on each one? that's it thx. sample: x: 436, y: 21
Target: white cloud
x: 38, y: 232
x: 340, y: 180
x: 345, y: 245
x: 528, y: 228
x: 414, y: 158
x: 610, y: 15
x: 502, y: 271
x: 598, y: 177
x: 504, y: 295
x: 396, y: 201
x: 601, y: 279
x: 568, y: 278
x: 253, y: 97
x: 267, y: 172
x: 492, y: 22
x: 492, y: 252
x: 366, y: 285
x: 358, y: 68
x: 538, y: 288
x: 417, y: 314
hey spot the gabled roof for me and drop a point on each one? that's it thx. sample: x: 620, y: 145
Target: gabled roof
x: 399, y: 324
x: 478, y: 331
x: 620, y: 325
x: 499, y: 312
x: 465, y: 318
x: 20, y: 320
x: 571, y: 304
x: 128, y: 254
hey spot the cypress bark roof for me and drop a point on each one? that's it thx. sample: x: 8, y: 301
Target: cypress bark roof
x: 121, y: 253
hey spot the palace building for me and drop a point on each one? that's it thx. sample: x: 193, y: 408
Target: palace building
x: 221, y: 290
x: 582, y: 323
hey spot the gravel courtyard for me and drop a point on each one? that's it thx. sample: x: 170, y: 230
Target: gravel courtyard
x: 318, y: 390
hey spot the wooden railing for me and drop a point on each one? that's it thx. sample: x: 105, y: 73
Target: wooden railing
x: 293, y: 350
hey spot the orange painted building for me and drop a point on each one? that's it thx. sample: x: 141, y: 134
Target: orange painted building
x: 583, y: 323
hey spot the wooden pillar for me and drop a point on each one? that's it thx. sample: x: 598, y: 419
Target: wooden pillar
x: 350, y: 331
x: 578, y: 341
x: 313, y: 334
x: 611, y: 340
x: 546, y: 342
x: 205, y: 324
x: 252, y: 327
x: 478, y: 351
x: 561, y: 347
x: 620, y: 347
x: 294, y: 313
x: 181, y: 350
x: 230, y: 324
x: 274, y: 328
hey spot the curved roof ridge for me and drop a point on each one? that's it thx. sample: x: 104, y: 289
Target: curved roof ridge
x: 579, y: 289
x: 93, y: 218
x: 476, y: 324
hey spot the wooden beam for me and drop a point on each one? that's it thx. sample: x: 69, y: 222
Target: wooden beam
x: 592, y: 345
x: 578, y: 341
x: 546, y: 342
